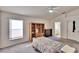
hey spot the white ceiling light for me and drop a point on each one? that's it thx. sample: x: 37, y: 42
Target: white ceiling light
x: 50, y: 11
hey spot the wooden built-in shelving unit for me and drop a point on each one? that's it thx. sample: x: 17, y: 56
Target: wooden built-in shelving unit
x: 36, y: 30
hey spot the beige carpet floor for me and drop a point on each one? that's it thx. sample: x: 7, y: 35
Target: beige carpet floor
x: 71, y: 43
x: 27, y: 48
x: 21, y: 48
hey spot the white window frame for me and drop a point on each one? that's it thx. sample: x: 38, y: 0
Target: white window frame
x: 11, y: 26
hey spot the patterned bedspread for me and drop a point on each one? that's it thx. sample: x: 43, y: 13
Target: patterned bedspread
x: 46, y: 45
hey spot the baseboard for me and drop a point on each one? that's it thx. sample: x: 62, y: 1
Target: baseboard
x: 63, y: 38
x: 14, y: 45
x: 71, y: 40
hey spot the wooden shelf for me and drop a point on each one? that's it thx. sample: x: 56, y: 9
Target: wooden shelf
x: 37, y: 30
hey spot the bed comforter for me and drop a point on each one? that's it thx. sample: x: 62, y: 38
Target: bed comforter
x: 46, y: 45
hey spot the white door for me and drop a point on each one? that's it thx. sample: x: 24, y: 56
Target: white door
x: 57, y: 26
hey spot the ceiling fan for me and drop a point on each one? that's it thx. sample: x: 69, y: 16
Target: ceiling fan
x: 52, y: 9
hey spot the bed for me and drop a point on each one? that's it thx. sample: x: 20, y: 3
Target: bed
x: 46, y: 45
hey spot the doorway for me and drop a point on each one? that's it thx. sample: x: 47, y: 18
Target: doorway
x: 57, y: 26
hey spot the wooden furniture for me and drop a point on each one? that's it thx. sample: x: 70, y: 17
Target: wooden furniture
x: 36, y: 30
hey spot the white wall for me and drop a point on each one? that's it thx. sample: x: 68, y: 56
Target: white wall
x: 5, y: 16
x: 66, y: 24
x: 0, y: 28
x: 73, y: 16
x: 61, y: 19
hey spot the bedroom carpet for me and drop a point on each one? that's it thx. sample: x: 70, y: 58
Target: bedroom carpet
x: 27, y: 48
x: 21, y: 48
x: 71, y: 43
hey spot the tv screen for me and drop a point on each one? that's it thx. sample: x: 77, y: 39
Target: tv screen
x: 48, y: 32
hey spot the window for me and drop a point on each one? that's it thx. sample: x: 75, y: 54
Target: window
x: 15, y: 29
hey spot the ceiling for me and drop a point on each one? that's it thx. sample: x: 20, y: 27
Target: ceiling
x: 38, y: 11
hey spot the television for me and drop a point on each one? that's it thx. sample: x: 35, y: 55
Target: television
x: 48, y: 32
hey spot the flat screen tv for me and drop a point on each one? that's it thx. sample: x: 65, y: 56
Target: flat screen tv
x: 48, y: 32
